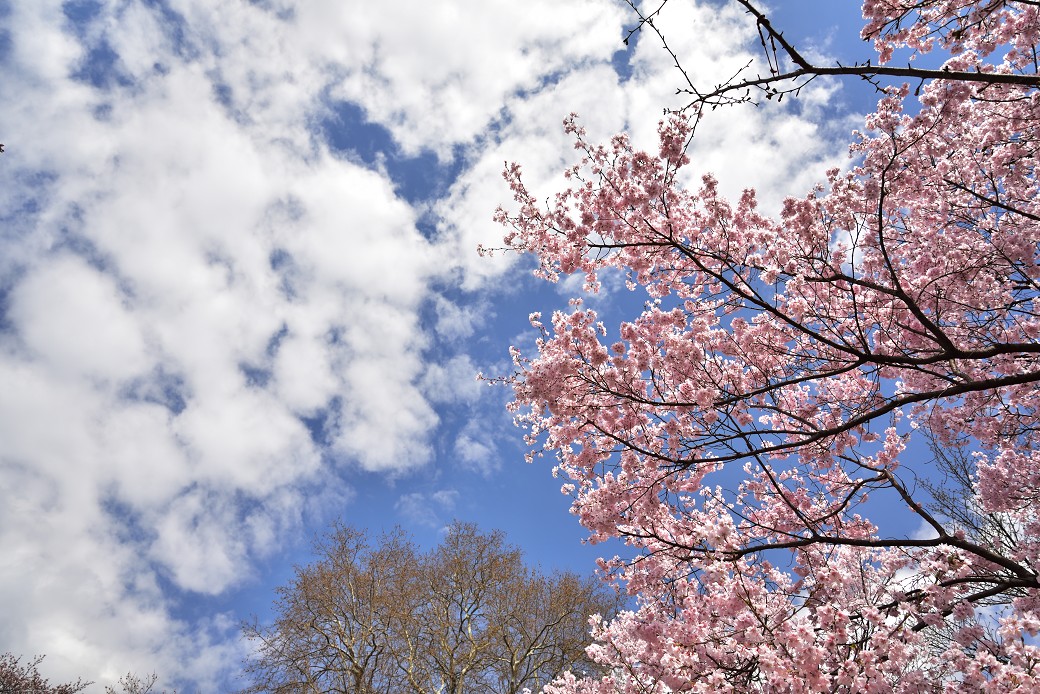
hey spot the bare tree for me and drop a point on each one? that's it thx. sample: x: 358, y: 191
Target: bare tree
x: 468, y: 616
x: 334, y: 618
x: 542, y: 628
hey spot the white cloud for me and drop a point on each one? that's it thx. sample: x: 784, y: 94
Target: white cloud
x: 303, y: 372
x: 437, y: 74
x: 430, y: 509
x: 143, y: 291
x: 476, y: 455
x: 64, y: 300
x: 456, y: 322
x: 197, y: 531
x: 455, y: 380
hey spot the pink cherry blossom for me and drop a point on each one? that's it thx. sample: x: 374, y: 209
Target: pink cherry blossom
x: 738, y: 431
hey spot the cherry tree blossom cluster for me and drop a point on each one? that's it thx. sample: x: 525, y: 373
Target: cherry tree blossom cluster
x: 787, y: 374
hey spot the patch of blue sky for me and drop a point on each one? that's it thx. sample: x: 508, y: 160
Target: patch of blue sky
x: 283, y: 13
x: 258, y: 375
x: 276, y: 340
x: 24, y: 211
x: 321, y: 423
x: 255, y: 376
x: 102, y: 68
x: 621, y: 60
x: 198, y: 609
x: 19, y: 221
x: 222, y: 93
x: 80, y: 13
x: 5, y: 36
x: 175, y: 28
x: 70, y: 239
x: 5, y: 43
x: 282, y: 264
x: 417, y: 178
x: 832, y: 29
x: 525, y: 503
x: 126, y: 522
x: 6, y: 325
x: 161, y: 387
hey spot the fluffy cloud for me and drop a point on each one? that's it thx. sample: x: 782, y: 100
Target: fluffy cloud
x: 438, y: 81
x: 430, y: 509
x: 206, y: 312
x: 475, y: 453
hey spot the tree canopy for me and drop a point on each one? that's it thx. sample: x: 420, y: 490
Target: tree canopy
x: 468, y: 616
x: 18, y: 676
x: 733, y: 431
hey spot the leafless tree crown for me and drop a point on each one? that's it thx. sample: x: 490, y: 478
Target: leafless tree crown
x: 468, y: 616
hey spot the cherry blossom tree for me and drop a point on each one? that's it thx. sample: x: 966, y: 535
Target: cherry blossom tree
x: 739, y: 432
x: 17, y: 677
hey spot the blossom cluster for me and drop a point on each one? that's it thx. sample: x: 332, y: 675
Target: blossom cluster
x: 735, y: 431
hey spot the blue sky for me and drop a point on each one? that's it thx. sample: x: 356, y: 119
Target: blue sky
x: 240, y: 295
